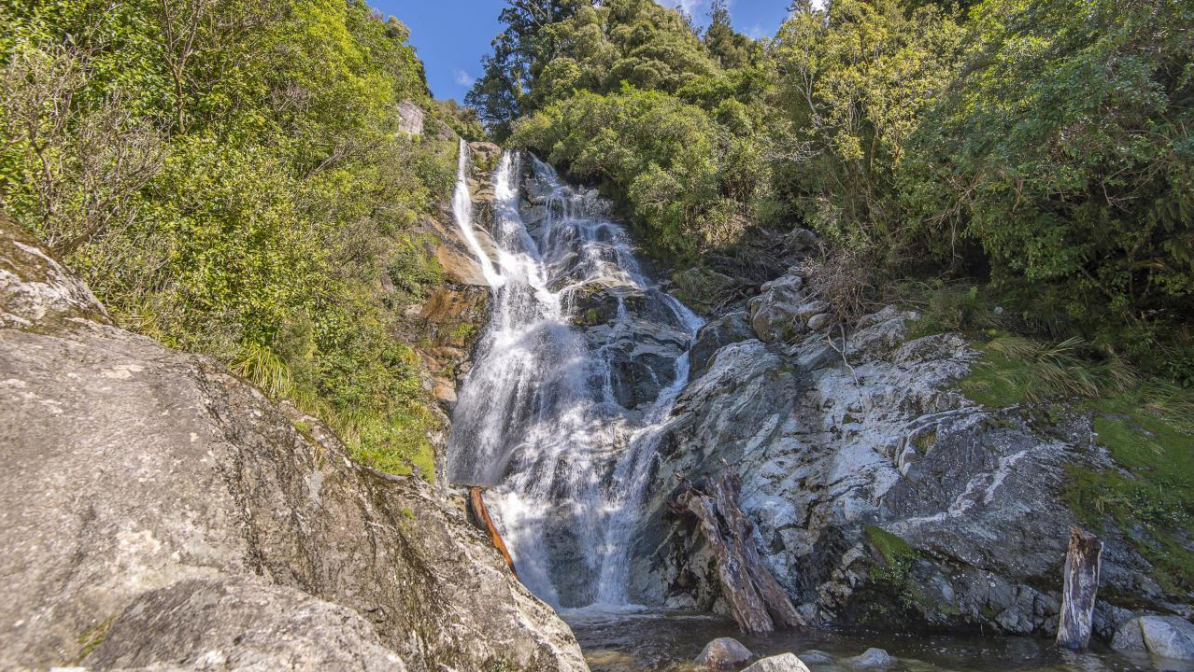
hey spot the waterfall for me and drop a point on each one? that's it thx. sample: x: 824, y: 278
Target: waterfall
x: 462, y: 212
x: 572, y: 385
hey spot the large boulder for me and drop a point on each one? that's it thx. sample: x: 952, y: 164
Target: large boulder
x: 1164, y: 636
x: 723, y: 653
x: 159, y: 511
x: 781, y: 312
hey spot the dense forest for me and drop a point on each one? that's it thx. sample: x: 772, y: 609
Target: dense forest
x: 1039, y: 152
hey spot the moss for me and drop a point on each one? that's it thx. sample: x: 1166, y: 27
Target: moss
x: 94, y: 636
x: 408, y: 513
x: 1152, y: 499
x: 893, y: 548
x: 304, y: 428
x: 925, y: 440
x: 990, y: 384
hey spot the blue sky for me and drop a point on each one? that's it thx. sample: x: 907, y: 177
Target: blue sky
x: 453, y: 35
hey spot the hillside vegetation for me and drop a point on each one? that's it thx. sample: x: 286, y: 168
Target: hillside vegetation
x: 227, y: 175
x: 1039, y: 149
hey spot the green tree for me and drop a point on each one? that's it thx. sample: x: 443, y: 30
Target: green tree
x: 1064, y: 148
x: 854, y: 79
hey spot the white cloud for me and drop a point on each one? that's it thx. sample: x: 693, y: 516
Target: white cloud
x: 463, y: 78
x: 689, y: 6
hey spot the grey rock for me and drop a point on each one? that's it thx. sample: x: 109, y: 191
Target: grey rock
x: 410, y: 118
x: 787, y: 662
x: 815, y: 657
x: 731, y: 328
x: 827, y: 457
x: 775, y: 315
x: 1163, y: 636
x: 723, y: 653
x: 240, y: 623
x: 138, y: 477
x: 802, y: 240
x: 871, y: 658
x: 819, y: 321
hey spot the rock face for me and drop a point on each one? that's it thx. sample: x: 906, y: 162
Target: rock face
x: 410, y: 118
x: 1164, y: 636
x: 731, y: 328
x: 158, y: 511
x: 452, y: 317
x: 881, y: 492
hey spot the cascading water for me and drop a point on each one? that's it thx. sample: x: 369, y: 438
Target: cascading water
x: 572, y: 385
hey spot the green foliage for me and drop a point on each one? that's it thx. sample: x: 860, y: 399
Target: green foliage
x: 856, y: 77
x: 626, y: 95
x: 1063, y: 148
x: 656, y: 154
x: 1016, y: 370
x: 227, y: 176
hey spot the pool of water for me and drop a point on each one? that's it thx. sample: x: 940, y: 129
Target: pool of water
x: 668, y: 642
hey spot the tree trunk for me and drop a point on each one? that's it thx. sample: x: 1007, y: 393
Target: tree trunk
x: 476, y: 504
x: 1083, y: 564
x: 758, y: 602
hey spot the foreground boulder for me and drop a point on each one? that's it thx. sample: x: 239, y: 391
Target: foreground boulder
x: 158, y: 511
x: 787, y: 662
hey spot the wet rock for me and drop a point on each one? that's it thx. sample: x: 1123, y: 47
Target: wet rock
x: 1164, y: 636
x: 871, y: 658
x: 787, y: 662
x: 724, y: 653
x: 815, y: 657
x: 731, y: 328
x: 152, y: 491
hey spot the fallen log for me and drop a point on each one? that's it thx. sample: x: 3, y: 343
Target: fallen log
x: 1083, y: 564
x: 476, y: 505
x: 757, y: 601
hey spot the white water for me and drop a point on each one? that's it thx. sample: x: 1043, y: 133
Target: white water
x: 462, y: 211
x: 543, y: 414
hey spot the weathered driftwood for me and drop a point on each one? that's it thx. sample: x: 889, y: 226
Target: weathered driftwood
x: 476, y: 504
x: 756, y: 599
x: 1083, y: 563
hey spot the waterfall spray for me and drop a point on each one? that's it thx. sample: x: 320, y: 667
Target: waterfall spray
x: 572, y: 386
